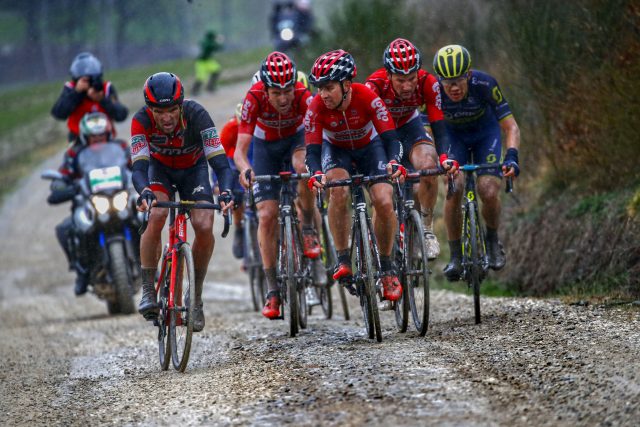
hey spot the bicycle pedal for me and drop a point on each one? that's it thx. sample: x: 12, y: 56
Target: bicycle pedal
x: 350, y: 288
x: 151, y: 317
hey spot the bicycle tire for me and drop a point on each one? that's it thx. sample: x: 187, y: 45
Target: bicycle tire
x: 402, y: 305
x: 329, y: 258
x: 164, y: 340
x: 418, y: 273
x: 253, y: 264
x: 290, y: 285
x: 474, y: 259
x: 181, y: 325
x: 333, y: 261
x: 370, y: 282
x: 302, y: 277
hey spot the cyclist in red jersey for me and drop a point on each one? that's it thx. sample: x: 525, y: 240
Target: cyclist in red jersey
x: 272, y: 115
x: 405, y: 87
x: 172, y: 140
x: 87, y: 93
x: 348, y: 123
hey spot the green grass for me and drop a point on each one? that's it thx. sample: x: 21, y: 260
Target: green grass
x: 29, y: 104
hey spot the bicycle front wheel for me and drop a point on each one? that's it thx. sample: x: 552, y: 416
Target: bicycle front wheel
x: 289, y: 278
x: 402, y: 306
x: 253, y: 263
x: 473, y: 256
x: 302, y: 276
x: 184, y: 297
x: 329, y: 258
x: 164, y: 340
x: 372, y: 317
x: 417, y: 273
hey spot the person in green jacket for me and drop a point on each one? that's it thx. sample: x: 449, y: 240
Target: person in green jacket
x: 207, y: 68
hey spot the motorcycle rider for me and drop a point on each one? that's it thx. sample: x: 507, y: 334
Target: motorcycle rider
x: 94, y: 128
x: 87, y: 93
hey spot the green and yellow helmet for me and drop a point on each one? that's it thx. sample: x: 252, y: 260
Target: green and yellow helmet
x: 302, y: 78
x: 451, y: 61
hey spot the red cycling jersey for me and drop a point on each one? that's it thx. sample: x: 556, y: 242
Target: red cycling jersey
x: 261, y: 120
x: 229, y: 136
x: 427, y: 92
x: 87, y: 106
x: 357, y: 126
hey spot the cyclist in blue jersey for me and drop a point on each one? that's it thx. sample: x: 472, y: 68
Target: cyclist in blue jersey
x: 475, y: 112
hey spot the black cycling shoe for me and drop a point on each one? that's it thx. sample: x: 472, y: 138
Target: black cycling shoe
x: 496, y: 255
x: 148, y: 306
x: 82, y: 282
x: 453, y: 270
x: 198, y: 317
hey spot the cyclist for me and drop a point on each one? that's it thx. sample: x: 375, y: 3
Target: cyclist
x: 272, y: 115
x: 94, y: 128
x: 87, y: 93
x: 172, y: 140
x: 475, y: 112
x: 348, y: 123
x: 405, y: 87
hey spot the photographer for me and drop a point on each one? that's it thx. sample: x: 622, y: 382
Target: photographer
x: 87, y: 93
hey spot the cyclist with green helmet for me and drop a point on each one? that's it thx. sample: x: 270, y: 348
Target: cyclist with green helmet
x: 476, y: 112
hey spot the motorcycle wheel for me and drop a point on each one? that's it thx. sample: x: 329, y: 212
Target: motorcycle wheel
x: 118, y: 268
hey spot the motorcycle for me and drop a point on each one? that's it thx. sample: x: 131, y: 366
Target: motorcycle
x: 105, y: 221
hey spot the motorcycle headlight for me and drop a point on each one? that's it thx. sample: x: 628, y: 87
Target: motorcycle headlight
x: 286, y: 34
x: 101, y: 204
x: 120, y: 201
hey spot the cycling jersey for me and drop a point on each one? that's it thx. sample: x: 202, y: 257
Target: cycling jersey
x: 427, y: 93
x: 73, y: 105
x: 195, y: 137
x: 483, y: 105
x: 365, y: 118
x: 229, y: 136
x: 260, y: 119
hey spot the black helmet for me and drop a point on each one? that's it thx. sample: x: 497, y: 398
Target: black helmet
x: 163, y: 90
x: 85, y: 64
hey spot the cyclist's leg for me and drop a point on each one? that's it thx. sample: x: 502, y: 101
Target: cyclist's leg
x: 336, y: 164
x: 453, y: 212
x: 488, y: 149
x: 194, y: 185
x: 150, y: 242
x: 422, y: 155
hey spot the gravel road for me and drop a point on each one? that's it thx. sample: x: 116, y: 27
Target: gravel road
x: 64, y: 361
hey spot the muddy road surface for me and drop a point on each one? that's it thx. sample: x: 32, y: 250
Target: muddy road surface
x: 64, y: 361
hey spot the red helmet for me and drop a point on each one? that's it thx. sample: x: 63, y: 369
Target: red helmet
x: 163, y: 90
x: 401, y: 57
x: 278, y: 70
x: 337, y: 65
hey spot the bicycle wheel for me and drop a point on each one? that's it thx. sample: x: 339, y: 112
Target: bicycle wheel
x: 472, y: 253
x: 181, y: 326
x: 302, y: 277
x: 417, y: 273
x: 290, y: 293
x: 369, y: 284
x: 253, y: 263
x: 329, y: 257
x: 164, y: 340
x: 402, y: 306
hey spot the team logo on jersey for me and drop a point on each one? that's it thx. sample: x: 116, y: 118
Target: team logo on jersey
x: 497, y: 95
x: 308, y: 127
x: 198, y: 189
x: 210, y: 137
x: 381, y: 110
x: 246, y: 106
x: 138, y: 142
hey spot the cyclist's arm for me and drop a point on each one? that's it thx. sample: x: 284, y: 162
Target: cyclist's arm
x: 240, y: 157
x: 392, y: 145
x: 511, y: 131
x: 442, y: 141
x: 140, y: 154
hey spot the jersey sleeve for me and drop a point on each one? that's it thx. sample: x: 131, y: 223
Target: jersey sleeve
x: 312, y: 124
x: 496, y: 99
x: 139, y: 141
x: 208, y: 132
x: 249, y: 115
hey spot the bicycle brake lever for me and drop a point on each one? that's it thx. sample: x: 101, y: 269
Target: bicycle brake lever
x: 145, y: 222
x: 227, y: 223
x: 509, y: 185
x: 451, y: 186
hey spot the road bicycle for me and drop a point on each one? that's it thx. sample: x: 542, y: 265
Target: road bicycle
x: 175, y: 286
x: 365, y: 256
x: 475, y: 262
x: 252, y: 260
x: 294, y: 269
x: 329, y: 260
x: 411, y: 254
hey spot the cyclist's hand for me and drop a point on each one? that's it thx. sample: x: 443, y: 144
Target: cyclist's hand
x: 226, y: 200
x: 510, y: 166
x: 450, y: 165
x: 246, y: 177
x: 396, y: 170
x: 317, y: 180
x: 145, y: 200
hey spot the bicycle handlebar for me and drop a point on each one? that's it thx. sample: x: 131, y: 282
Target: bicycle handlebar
x: 473, y: 168
x: 282, y: 176
x: 188, y: 204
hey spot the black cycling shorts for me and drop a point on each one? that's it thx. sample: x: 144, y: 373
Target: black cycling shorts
x: 368, y: 160
x: 192, y: 183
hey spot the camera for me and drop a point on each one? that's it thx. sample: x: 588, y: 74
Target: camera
x: 96, y: 83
